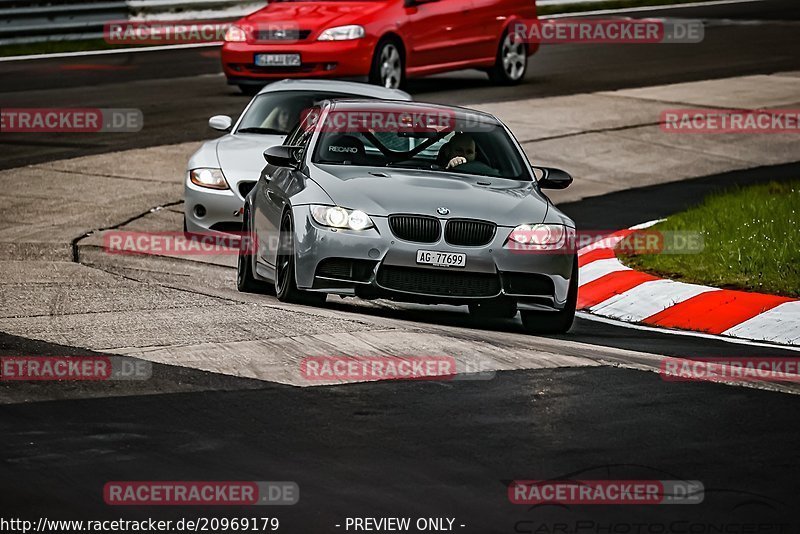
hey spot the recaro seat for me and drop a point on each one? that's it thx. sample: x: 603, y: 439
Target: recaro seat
x: 344, y: 149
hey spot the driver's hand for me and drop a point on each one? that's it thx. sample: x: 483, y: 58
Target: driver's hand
x: 456, y: 161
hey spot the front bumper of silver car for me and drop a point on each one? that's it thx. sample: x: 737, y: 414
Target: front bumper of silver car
x: 212, y: 210
x: 374, y: 263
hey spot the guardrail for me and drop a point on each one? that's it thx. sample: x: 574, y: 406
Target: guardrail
x: 27, y: 21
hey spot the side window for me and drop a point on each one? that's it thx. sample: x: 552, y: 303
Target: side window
x: 291, y: 138
x: 303, y: 142
x: 308, y: 120
x: 301, y: 135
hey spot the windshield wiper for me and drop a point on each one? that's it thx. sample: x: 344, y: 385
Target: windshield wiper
x: 257, y: 130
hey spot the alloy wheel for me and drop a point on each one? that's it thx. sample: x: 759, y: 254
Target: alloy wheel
x: 514, y: 56
x: 391, y: 66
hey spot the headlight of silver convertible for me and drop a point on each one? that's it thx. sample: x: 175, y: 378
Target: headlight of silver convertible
x: 337, y: 217
x: 210, y: 178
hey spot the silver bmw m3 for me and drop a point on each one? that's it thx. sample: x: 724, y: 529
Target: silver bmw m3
x: 411, y: 202
x: 221, y: 173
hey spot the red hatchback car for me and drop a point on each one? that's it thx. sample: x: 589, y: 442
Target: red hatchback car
x: 382, y: 40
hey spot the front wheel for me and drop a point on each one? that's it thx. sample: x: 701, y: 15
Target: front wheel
x: 246, y: 281
x: 511, y: 63
x: 285, y: 282
x: 555, y: 322
x: 388, y: 68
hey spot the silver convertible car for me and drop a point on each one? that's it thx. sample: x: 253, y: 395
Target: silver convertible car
x: 221, y: 173
x: 410, y: 202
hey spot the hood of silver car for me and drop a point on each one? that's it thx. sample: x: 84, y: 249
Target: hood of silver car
x: 241, y: 156
x: 383, y: 192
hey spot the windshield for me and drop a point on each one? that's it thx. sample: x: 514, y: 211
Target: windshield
x: 278, y: 112
x: 485, y: 151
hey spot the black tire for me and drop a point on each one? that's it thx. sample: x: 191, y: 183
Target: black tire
x: 555, y: 322
x: 497, y: 309
x: 246, y: 281
x: 285, y: 283
x: 249, y: 90
x: 512, y: 48
x: 388, y: 52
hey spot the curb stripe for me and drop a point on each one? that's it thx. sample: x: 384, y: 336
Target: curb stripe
x: 609, y: 285
x: 597, y: 254
x: 647, y: 299
x: 781, y: 324
x: 717, y: 311
x: 598, y: 269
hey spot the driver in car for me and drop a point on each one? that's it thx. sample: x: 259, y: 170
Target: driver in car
x: 461, y: 151
x: 280, y: 119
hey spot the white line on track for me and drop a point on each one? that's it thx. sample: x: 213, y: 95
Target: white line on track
x: 84, y: 53
x: 689, y: 333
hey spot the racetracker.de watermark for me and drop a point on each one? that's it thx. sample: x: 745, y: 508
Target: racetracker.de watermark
x: 70, y: 120
x: 621, y: 492
x: 73, y: 368
x: 200, y: 493
x: 608, y: 31
x: 163, y: 32
x: 417, y: 119
x: 730, y: 369
x: 728, y: 121
x: 180, y: 244
x: 372, y: 368
x: 558, y: 239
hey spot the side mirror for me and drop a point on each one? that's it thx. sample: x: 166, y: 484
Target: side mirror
x: 554, y: 178
x: 282, y: 156
x: 222, y: 123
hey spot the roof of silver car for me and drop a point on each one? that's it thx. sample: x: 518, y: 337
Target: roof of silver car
x: 338, y: 86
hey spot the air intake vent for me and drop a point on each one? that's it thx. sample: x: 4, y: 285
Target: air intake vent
x: 245, y: 188
x: 469, y: 233
x: 346, y: 269
x: 416, y: 228
x: 438, y: 283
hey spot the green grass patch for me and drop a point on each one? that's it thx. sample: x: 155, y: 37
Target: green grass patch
x: 751, y: 241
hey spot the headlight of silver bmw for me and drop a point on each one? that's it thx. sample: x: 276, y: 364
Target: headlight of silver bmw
x: 543, y: 236
x: 338, y: 217
x: 210, y: 178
